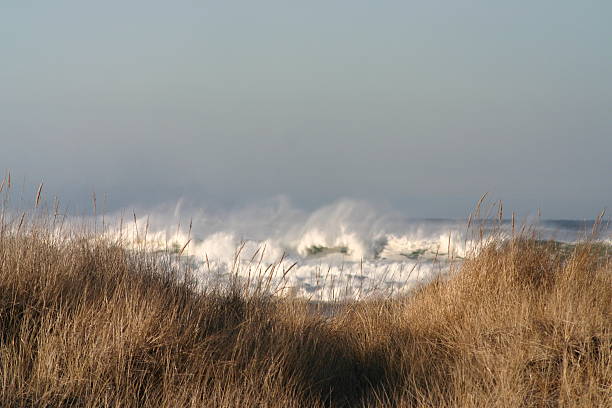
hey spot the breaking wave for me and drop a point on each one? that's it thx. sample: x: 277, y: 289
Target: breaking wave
x: 348, y: 249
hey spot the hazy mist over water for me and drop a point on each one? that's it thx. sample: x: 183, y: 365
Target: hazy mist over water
x: 414, y: 107
x: 346, y: 250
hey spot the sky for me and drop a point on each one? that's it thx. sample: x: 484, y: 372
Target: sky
x: 420, y: 106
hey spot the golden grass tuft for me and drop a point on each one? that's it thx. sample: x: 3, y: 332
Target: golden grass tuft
x: 85, y: 323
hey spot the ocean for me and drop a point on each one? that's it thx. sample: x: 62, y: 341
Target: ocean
x: 348, y: 250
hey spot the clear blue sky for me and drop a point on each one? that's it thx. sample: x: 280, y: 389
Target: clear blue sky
x: 420, y: 105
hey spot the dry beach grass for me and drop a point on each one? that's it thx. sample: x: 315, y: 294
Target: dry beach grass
x: 86, y: 323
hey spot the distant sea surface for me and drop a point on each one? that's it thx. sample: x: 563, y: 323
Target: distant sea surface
x: 347, y: 250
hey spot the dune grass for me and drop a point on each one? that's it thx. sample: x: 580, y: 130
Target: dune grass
x: 86, y: 323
